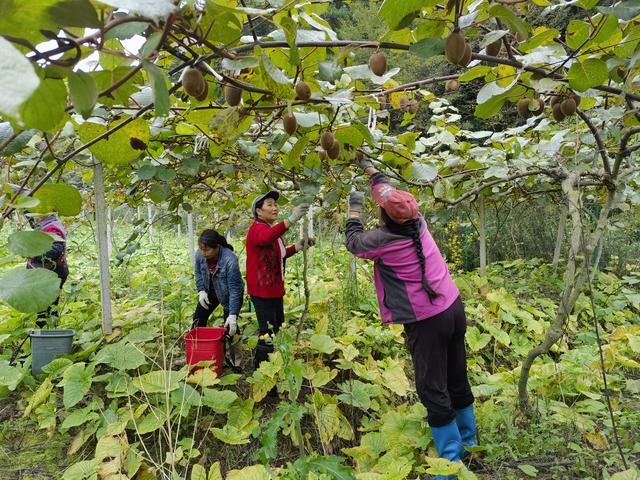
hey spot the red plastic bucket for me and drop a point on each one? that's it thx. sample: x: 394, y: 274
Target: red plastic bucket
x: 206, y: 344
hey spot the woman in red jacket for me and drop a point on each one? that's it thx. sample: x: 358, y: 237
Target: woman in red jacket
x: 266, y: 254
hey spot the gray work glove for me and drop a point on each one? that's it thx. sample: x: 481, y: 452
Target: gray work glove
x: 363, y: 161
x: 356, y: 201
x: 298, y: 212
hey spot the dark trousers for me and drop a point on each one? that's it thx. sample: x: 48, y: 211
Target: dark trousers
x: 440, y: 362
x: 270, y: 313
x: 201, y: 315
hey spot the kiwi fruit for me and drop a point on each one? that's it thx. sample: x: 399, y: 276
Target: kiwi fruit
x: 557, y: 112
x: 493, y: 49
x: 290, y: 123
x: 205, y: 92
x: 404, y: 103
x: 322, y: 155
x: 334, y: 150
x: 555, y: 100
x: 232, y: 94
x: 540, y: 108
x: 413, y: 106
x: 303, y: 91
x: 454, y: 47
x: 359, y: 155
x: 576, y: 98
x: 523, y: 107
x: 327, y: 140
x: 378, y: 64
x: 466, y: 58
x: 568, y: 107
x: 452, y: 85
x: 193, y: 81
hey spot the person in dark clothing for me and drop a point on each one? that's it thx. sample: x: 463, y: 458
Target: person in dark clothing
x: 55, y: 259
x: 415, y: 289
x: 218, y: 281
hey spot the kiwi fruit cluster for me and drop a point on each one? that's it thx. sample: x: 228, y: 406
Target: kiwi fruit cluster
x: 409, y: 105
x: 194, y: 83
x: 378, y: 64
x: 563, y: 106
x: 524, y: 107
x: 452, y: 85
x: 232, y: 94
x: 303, y: 92
x: 289, y: 123
x: 330, y: 145
x: 457, y: 50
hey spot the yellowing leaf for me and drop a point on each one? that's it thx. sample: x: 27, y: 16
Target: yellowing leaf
x: 254, y: 472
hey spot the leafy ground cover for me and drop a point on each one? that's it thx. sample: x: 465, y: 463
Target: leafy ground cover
x: 338, y: 402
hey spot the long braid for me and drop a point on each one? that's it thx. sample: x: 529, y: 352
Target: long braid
x: 415, y: 236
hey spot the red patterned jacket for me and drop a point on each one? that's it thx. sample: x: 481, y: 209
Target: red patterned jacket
x: 266, y: 252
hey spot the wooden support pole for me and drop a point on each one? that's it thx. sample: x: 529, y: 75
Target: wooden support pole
x: 150, y: 220
x: 103, y: 248
x: 109, y: 232
x: 482, y: 229
x: 190, y: 239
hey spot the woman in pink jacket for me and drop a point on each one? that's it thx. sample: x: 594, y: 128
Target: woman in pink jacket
x: 415, y: 289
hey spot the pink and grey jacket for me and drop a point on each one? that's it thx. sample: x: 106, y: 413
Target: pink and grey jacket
x: 397, y: 275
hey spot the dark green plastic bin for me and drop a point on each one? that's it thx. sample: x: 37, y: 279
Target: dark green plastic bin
x: 46, y: 344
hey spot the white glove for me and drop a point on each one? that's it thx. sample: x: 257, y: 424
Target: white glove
x: 231, y: 324
x: 203, y: 299
x: 298, y: 212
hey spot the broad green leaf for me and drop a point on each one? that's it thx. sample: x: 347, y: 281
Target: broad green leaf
x: 198, y: 472
x: 513, y: 20
x: 629, y: 474
x: 577, y: 32
x: 240, y: 63
x: 29, y: 243
x: 261, y: 386
x: 186, y: 396
x: 83, y: 92
x: 529, y: 470
x: 121, y: 356
x: 158, y: 193
x: 293, y: 159
x: 323, y: 343
x: 355, y: 393
x: 219, y: 401
x: 442, y: 466
x: 214, y: 472
x: 428, y: 47
x: 45, y: 109
x: 27, y: 19
x: 543, y: 37
x: 159, y: 381
x: 606, y: 31
x: 126, y: 30
x: 74, y: 13
x: 624, y: 11
x: 84, y: 470
x: 155, y: 9
x: 395, y: 378
x: 78, y: 417
x: 13, y: 66
x: 18, y: 143
x: 38, y: 397
x: 273, y: 71
x: 29, y: 291
x: 475, y: 72
x: 253, y: 472
x: 146, y: 172
x: 423, y: 172
x: 232, y: 436
x: 26, y: 202
x: 290, y: 31
x: 151, y: 422
x: 351, y: 135
x: 205, y: 377
x: 121, y: 147
x: 399, y: 13
x: 590, y: 73
x: 56, y: 367
x: 61, y: 198
x: 10, y: 376
x: 158, y: 80
x: 328, y: 422
x: 76, y: 381
x: 166, y: 174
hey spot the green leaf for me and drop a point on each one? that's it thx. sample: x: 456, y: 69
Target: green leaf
x: 630, y: 474
x: 514, y: 21
x: 166, y: 174
x: 190, y: 167
x: 76, y: 381
x: 84, y: 470
x: 293, y: 159
x: 274, y: 72
x: 158, y: 381
x: 355, y: 393
x: 399, y: 13
x: 61, y: 198
x: 29, y: 243
x: 78, y: 417
x: 290, y: 31
x: 146, y: 172
x: 232, y: 436
x: 26, y: 19
x: 219, y: 401
x: 118, y: 147
x: 29, y: 291
x: 121, y: 356
x: 38, y: 397
x: 590, y: 73
x: 13, y: 66
x: 83, y: 92
x: 428, y: 47
x: 198, y: 472
x: 152, y: 421
x: 323, y: 343
x: 56, y: 367
x: 529, y: 470
x: 577, y: 33
x: 239, y: 63
x: 10, y: 376
x: 158, y: 80
x: 253, y: 472
x: 45, y: 109
x: 329, y: 71
x: 624, y: 11
x: 126, y: 30
x: 155, y: 9
x: 158, y: 193
x: 542, y: 38
x: 74, y: 13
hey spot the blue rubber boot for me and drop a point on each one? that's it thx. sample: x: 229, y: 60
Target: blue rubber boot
x: 466, y: 421
x: 448, y: 444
